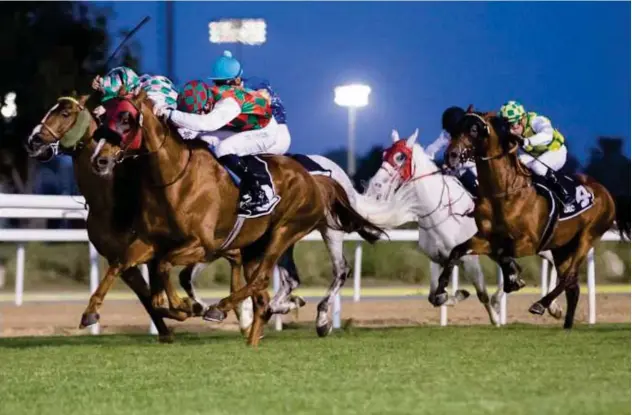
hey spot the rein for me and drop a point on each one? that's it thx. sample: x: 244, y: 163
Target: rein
x: 512, y: 150
x: 443, y: 190
x: 121, y: 155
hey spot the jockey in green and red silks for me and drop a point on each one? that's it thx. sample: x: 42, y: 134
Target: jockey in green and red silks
x: 237, y: 121
x: 123, y: 80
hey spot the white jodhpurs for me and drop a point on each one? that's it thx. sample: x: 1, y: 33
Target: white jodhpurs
x: 551, y: 159
x: 268, y: 140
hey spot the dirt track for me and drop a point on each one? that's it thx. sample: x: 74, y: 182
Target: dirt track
x: 62, y: 318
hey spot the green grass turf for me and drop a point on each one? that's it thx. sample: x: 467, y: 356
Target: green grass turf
x: 428, y: 370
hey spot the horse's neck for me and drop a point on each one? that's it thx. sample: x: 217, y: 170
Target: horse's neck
x: 500, y: 175
x: 428, y: 183
x: 169, y: 155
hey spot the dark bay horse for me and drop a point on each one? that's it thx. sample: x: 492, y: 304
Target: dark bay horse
x: 522, y: 221
x: 202, y: 202
x: 114, y: 210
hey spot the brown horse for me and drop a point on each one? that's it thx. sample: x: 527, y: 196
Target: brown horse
x: 524, y: 221
x: 114, y: 209
x: 202, y: 202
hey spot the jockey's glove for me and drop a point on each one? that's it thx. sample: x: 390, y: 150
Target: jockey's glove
x: 163, y: 112
x: 97, y: 83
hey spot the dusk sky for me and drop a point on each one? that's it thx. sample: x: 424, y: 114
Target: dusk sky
x: 569, y: 61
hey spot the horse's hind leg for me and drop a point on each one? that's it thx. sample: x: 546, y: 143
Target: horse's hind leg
x: 278, y: 243
x: 283, y: 302
x: 244, y: 311
x: 473, y: 270
x: 555, y: 309
x: 187, y: 277
x: 567, y: 260
x: 334, y: 241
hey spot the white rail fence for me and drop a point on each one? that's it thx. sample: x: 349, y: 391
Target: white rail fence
x: 73, y: 207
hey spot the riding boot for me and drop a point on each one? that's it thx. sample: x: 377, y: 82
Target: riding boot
x: 557, y: 187
x: 251, y: 196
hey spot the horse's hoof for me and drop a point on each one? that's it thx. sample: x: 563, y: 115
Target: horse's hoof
x: 461, y: 295
x: 568, y: 326
x: 537, y: 309
x: 555, y: 311
x: 323, y: 331
x: 198, y: 309
x: 298, y: 300
x: 214, y: 314
x: 166, y: 338
x: 439, y: 299
x: 88, y: 320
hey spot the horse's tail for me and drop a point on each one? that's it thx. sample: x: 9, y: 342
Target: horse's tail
x: 622, y: 206
x: 346, y: 217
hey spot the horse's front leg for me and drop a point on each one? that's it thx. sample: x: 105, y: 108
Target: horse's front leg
x: 473, y: 271
x: 91, y: 314
x: 190, y: 253
x: 473, y: 246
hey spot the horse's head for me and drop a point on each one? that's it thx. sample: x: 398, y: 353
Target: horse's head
x: 480, y: 135
x: 65, y: 124
x: 398, y: 166
x: 121, y: 134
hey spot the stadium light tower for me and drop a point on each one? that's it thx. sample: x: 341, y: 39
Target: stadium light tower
x: 352, y: 96
x: 240, y: 31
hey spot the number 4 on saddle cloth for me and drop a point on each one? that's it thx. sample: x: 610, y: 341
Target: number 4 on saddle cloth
x: 258, y: 195
x: 580, y: 199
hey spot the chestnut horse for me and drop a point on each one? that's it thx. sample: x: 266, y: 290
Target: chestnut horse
x: 202, y: 200
x: 114, y: 209
x: 524, y: 222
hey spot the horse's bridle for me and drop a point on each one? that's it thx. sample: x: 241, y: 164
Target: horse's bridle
x: 513, y: 148
x: 474, y: 157
x: 120, y: 156
x: 78, y: 129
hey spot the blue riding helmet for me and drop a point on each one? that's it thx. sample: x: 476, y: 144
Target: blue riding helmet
x: 226, y: 68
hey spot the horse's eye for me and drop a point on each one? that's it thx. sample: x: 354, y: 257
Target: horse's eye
x: 399, y: 158
x: 65, y: 114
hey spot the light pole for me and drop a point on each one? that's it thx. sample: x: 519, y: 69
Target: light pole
x: 352, y: 96
x: 239, y: 31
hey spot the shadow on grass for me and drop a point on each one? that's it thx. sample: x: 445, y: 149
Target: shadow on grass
x: 291, y: 332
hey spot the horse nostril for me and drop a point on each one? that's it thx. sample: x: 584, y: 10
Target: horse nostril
x: 102, y: 162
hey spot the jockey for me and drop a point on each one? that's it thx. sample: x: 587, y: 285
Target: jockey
x: 449, y: 123
x: 543, y: 150
x: 160, y: 90
x: 240, y: 123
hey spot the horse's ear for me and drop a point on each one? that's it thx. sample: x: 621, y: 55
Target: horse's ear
x: 490, y: 114
x: 83, y: 99
x: 412, y: 139
x: 470, y: 109
x: 395, y: 136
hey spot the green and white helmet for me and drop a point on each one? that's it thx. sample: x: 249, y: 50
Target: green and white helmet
x: 116, y: 79
x: 512, y: 111
x: 160, y: 90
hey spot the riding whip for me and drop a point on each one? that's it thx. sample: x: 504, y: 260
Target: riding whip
x: 126, y: 38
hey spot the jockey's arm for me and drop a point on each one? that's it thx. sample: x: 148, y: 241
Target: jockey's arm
x: 543, y: 132
x: 223, y: 112
x: 441, y: 141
